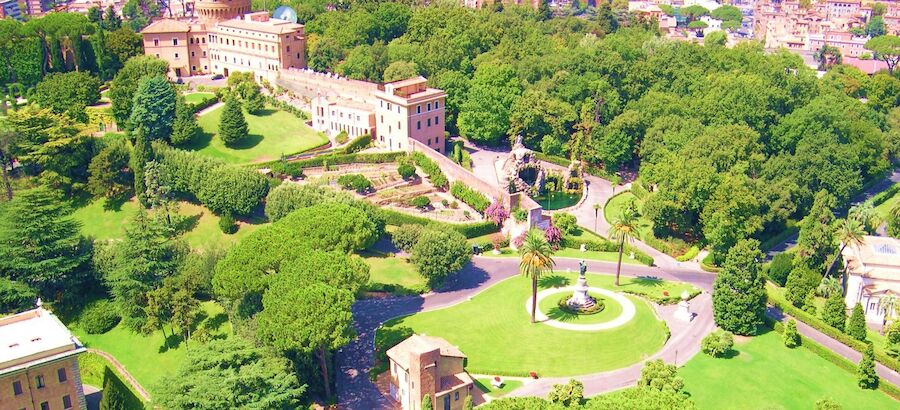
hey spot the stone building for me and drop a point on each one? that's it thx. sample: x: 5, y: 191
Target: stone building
x: 38, y: 365
x: 873, y: 274
x: 425, y: 365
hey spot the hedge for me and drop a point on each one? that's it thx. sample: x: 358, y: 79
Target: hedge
x: 637, y: 188
x: 357, y: 144
x: 707, y: 264
x: 606, y: 246
x: 821, y: 326
x: 331, y: 159
x: 435, y: 175
x: 591, y: 170
x: 883, y: 196
x: 691, y: 253
x: 209, y: 102
x: 281, y: 105
x: 469, y: 230
x: 470, y: 196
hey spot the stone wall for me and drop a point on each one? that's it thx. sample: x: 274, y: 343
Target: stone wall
x: 311, y: 84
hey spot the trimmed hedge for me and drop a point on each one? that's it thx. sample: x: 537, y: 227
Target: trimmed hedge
x: 281, y: 105
x: 637, y: 188
x: 606, y: 246
x: 435, y: 175
x: 691, y: 253
x: 470, y: 230
x: 335, y: 159
x: 591, y: 170
x: 470, y: 196
x: 821, y: 326
x: 209, y: 102
x: 883, y: 196
x: 357, y: 144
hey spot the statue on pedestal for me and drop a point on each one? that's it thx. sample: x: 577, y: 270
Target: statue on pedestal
x: 683, y: 311
x: 580, y: 299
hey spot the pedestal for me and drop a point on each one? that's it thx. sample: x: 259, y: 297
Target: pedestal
x: 683, y: 311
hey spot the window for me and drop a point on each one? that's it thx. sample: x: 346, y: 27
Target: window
x: 419, y: 109
x: 155, y: 42
x: 436, y: 104
x: 39, y: 382
x: 67, y: 402
x: 192, y: 53
x: 436, y: 120
x: 429, y: 107
x: 61, y: 374
x: 176, y: 55
x: 429, y: 122
x: 455, y: 396
x: 203, y: 40
x: 204, y: 54
x: 191, y: 40
x: 429, y: 141
x: 288, y: 49
x: 45, y: 406
x: 174, y: 41
x: 418, y: 125
x: 17, y: 388
x: 398, y: 126
x: 389, y: 106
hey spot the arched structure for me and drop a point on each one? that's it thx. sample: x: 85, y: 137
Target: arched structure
x: 212, y: 11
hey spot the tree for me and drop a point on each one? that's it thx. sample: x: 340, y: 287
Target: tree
x: 623, y: 228
x: 717, y: 38
x: 484, y: 115
x: 570, y: 394
x: 124, y: 44
x: 54, y: 144
x: 295, y: 319
x: 426, y: 402
x: 865, y: 370
x: 230, y: 189
x: 739, y: 294
x: 15, y: 296
x: 887, y: 49
x: 727, y: 13
x: 140, y: 156
x: 816, y: 240
x: 834, y: 313
x: 229, y: 373
x: 888, y: 308
x: 153, y: 108
x: 184, y: 127
x: 848, y: 231
x: 875, y: 27
x: 717, y: 344
x: 657, y: 375
x: 437, y: 253
x: 111, y: 20
x: 125, y: 85
x: 68, y: 93
x: 800, y: 283
x: 333, y: 268
x: 116, y: 395
x: 40, y: 245
x: 791, y: 337
x: 781, y: 266
x: 110, y: 176
x: 232, y: 125
x: 7, y: 144
x: 400, y: 70
x: 94, y: 14
x: 856, y: 327
x: 536, y: 261
x: 104, y: 61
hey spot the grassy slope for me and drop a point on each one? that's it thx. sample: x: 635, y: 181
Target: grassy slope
x: 196, y: 98
x: 493, y: 329
x: 617, y: 203
x: 884, y: 210
x: 272, y: 133
x: 768, y: 375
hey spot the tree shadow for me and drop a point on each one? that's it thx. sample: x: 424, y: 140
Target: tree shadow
x: 469, y: 277
x: 249, y: 141
x: 172, y: 341
x: 115, y: 203
x: 553, y: 281
x: 188, y: 223
x: 649, y: 281
x: 214, y: 323
x: 556, y: 313
x: 265, y: 112
x: 200, y: 141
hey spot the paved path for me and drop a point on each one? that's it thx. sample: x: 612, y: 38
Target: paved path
x: 128, y: 377
x: 210, y: 109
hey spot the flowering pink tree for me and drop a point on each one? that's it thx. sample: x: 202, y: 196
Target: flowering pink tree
x: 553, y: 236
x: 519, y: 240
x: 496, y: 213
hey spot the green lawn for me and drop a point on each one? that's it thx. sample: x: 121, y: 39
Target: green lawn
x: 617, y: 203
x: 493, y: 329
x: 767, y: 375
x: 394, y: 271
x: 202, y: 225
x: 884, y: 209
x: 550, y: 306
x: 197, y: 98
x: 272, y: 133
x: 146, y: 357
x: 484, y: 384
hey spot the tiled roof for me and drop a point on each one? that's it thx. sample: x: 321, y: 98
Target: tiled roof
x: 167, y: 26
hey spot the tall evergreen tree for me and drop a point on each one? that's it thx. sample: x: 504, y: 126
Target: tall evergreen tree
x: 835, y: 312
x: 185, y: 127
x: 40, y: 244
x: 141, y: 155
x: 856, y: 327
x: 739, y: 294
x: 153, y: 108
x: 125, y: 84
x: 816, y: 241
x: 232, y: 125
x: 865, y: 371
x: 111, y: 20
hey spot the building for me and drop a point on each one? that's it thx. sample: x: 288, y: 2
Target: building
x: 425, y: 365
x: 847, y: 43
x: 226, y: 37
x: 409, y: 109
x: 477, y: 4
x: 873, y: 273
x: 11, y: 9
x: 38, y: 365
x: 842, y: 8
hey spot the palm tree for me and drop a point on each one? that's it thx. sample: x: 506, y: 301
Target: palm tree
x: 848, y: 231
x: 889, y: 304
x: 597, y: 208
x: 866, y: 215
x: 828, y: 286
x: 624, y: 227
x: 535, y: 262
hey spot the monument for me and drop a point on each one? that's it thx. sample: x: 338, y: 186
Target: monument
x: 580, y: 300
x: 683, y: 311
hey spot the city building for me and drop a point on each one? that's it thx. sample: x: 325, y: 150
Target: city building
x: 415, y: 109
x: 477, y: 4
x: 38, y: 364
x: 849, y: 44
x: 226, y: 37
x: 873, y: 273
x: 36, y: 8
x: 426, y: 365
x: 11, y: 9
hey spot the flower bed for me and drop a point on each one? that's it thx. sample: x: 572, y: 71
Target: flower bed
x: 597, y: 308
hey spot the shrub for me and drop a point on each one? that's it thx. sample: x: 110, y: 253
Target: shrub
x: 342, y: 137
x: 438, y: 253
x: 892, y: 336
x: 99, y: 317
x: 791, y: 337
x: 520, y: 215
x: 470, y: 196
x: 856, y: 327
x: 553, y: 236
x: 865, y: 371
x: 690, y: 254
x: 570, y: 394
x: 563, y: 305
x: 454, y: 205
x: 227, y: 224
x: 406, y: 236
x: 809, y: 303
x: 717, y: 344
x: 781, y: 267
x: 566, y: 222
x: 445, y: 203
x: 358, y: 144
x: 406, y: 171
x: 496, y: 213
x: 827, y: 404
x: 420, y: 201
x: 356, y: 182
x: 498, y: 241
x: 435, y: 175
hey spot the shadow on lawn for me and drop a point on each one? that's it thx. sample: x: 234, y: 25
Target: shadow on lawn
x: 553, y: 281
x: 250, y: 141
x: 469, y: 277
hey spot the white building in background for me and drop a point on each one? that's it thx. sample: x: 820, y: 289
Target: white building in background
x: 873, y: 274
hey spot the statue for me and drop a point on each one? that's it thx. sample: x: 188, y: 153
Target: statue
x: 582, y: 267
x: 580, y: 299
x: 683, y: 311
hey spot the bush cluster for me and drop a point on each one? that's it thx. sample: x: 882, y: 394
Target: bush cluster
x: 470, y: 230
x: 356, y: 182
x: 342, y: 137
x: 358, y: 144
x: 406, y: 236
x: 220, y: 187
x: 331, y: 159
x: 469, y: 196
x: 563, y: 305
x: 197, y: 107
x: 281, y: 105
x: 227, y: 224
x: 717, y: 344
x: 420, y: 201
x: 406, y: 171
x: 98, y: 317
x: 435, y: 175
x: 781, y: 267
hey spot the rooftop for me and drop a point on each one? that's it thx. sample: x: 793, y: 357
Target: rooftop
x: 271, y: 26
x: 421, y: 344
x: 167, y: 26
x: 34, y: 337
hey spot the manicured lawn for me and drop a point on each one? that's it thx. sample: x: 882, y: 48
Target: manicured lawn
x: 91, y: 367
x: 484, y: 384
x: 145, y: 356
x: 202, y: 226
x: 197, y: 98
x: 493, y: 329
x: 767, y: 375
x: 393, y: 270
x: 550, y: 306
x: 618, y: 203
x: 272, y: 133
x: 884, y: 209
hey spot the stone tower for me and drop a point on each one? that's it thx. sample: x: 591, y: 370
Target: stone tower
x: 212, y: 11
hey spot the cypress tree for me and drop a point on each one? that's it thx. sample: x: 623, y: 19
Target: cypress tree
x: 139, y: 158
x: 865, y: 371
x: 426, y: 402
x: 185, y: 127
x: 856, y: 328
x: 791, y: 337
x: 835, y: 312
x: 232, y: 125
x: 739, y: 294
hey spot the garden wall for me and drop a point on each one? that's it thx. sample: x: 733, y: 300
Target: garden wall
x: 310, y: 84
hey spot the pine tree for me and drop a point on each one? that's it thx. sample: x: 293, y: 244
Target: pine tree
x: 141, y: 155
x: 816, y: 240
x: 856, y: 328
x: 185, y: 127
x: 153, y: 108
x: 835, y: 312
x: 809, y: 303
x: 739, y: 294
x: 865, y: 371
x: 426, y: 403
x: 791, y: 337
x: 232, y: 125
x: 111, y: 20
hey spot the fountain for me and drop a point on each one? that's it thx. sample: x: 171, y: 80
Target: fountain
x: 580, y: 300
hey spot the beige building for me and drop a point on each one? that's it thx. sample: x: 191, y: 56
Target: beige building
x: 850, y: 45
x: 38, y: 365
x: 873, y: 269
x: 408, y: 109
x: 182, y: 44
x: 426, y: 365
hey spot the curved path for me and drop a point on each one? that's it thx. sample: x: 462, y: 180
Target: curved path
x: 356, y: 391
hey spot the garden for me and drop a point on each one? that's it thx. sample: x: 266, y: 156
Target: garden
x: 272, y: 133
x: 493, y: 328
